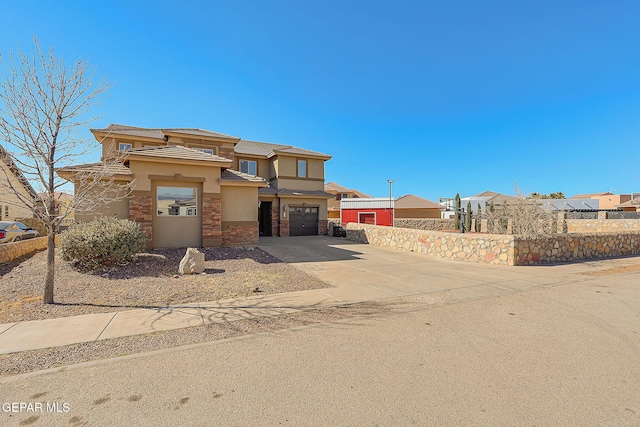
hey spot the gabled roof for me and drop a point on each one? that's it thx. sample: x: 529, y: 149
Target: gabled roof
x: 633, y: 203
x: 112, y: 169
x: 268, y: 150
x: 6, y: 158
x: 175, y: 152
x: 414, y: 202
x: 236, y: 176
x: 160, y: 133
x: 589, y: 195
x: 498, y: 198
x: 332, y: 186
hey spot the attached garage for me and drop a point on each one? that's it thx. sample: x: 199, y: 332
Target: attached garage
x: 303, y: 220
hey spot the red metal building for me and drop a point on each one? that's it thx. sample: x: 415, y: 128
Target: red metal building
x: 375, y: 211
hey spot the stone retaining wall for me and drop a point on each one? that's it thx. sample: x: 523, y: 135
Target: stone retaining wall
x: 434, y: 224
x: 601, y: 225
x: 576, y: 246
x: 469, y: 247
x: 11, y: 251
x: 498, y: 248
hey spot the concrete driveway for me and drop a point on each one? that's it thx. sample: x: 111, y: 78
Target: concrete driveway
x: 375, y: 272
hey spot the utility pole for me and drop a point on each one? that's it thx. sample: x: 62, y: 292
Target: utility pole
x: 391, y: 181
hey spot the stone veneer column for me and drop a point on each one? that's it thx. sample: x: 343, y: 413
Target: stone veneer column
x: 275, y: 219
x: 140, y: 213
x: 211, y: 220
x: 227, y: 153
x: 323, y: 225
x: 284, y: 228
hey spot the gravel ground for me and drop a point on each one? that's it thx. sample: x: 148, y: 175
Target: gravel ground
x: 149, y: 281
x: 34, y: 360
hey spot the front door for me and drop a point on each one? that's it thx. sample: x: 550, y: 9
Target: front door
x: 264, y: 218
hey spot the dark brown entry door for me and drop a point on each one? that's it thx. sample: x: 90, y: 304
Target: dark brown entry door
x: 303, y: 221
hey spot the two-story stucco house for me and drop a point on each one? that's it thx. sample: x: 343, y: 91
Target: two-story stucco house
x: 13, y: 207
x: 193, y: 187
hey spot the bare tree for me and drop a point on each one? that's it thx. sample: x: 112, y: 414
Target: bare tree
x: 523, y: 216
x: 44, y: 106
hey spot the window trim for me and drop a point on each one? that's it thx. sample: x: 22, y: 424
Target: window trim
x: 306, y: 168
x: 248, y: 161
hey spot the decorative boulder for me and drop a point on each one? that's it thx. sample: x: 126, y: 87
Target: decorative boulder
x: 192, y: 262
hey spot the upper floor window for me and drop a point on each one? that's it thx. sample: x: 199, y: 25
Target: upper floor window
x: 345, y: 195
x: 302, y: 168
x: 124, y: 147
x: 206, y: 150
x: 249, y: 166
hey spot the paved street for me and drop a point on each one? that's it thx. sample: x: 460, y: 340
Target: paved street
x: 563, y: 352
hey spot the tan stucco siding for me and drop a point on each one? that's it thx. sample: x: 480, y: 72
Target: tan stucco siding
x: 417, y: 213
x: 299, y: 184
x: 315, y: 169
x: 239, y: 203
x: 17, y: 209
x: 118, y: 208
x: 142, y: 170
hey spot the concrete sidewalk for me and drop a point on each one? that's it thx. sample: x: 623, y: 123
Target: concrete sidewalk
x: 359, y: 273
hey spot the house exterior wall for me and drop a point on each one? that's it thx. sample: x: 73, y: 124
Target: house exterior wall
x: 117, y: 208
x: 610, y: 202
x: 417, y: 213
x: 240, y: 216
x: 8, y: 198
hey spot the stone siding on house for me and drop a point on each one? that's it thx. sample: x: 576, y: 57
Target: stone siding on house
x: 140, y: 212
x: 434, y: 224
x: 240, y: 235
x: 211, y: 221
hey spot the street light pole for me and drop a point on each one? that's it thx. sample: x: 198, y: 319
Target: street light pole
x: 391, y: 181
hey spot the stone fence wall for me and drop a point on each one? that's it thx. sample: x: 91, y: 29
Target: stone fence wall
x: 601, y: 225
x: 11, y: 251
x: 434, y: 224
x: 576, y: 246
x: 498, y: 248
x: 481, y: 248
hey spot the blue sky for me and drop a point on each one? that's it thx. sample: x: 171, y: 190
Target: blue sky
x: 443, y: 97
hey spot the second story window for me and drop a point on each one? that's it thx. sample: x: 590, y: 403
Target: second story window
x: 249, y: 166
x: 302, y: 168
x: 206, y: 150
x: 124, y: 147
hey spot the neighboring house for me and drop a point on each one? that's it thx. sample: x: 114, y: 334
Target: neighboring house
x: 572, y: 205
x: 62, y: 202
x: 193, y: 187
x: 606, y: 200
x: 11, y: 207
x: 339, y: 192
x: 411, y: 206
x: 632, y: 205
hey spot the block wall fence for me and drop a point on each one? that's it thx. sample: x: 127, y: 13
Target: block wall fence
x: 499, y: 249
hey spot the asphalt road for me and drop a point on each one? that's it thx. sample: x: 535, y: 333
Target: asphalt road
x: 561, y: 355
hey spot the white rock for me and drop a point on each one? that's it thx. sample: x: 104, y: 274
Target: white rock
x: 192, y: 262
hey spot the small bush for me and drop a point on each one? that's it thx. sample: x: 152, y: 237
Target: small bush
x: 102, y: 242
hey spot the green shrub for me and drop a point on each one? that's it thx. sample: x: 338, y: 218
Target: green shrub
x: 102, y: 242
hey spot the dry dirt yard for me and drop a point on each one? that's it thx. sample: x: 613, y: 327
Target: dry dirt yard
x: 151, y: 280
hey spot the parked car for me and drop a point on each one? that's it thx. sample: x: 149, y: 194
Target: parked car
x: 15, y: 231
